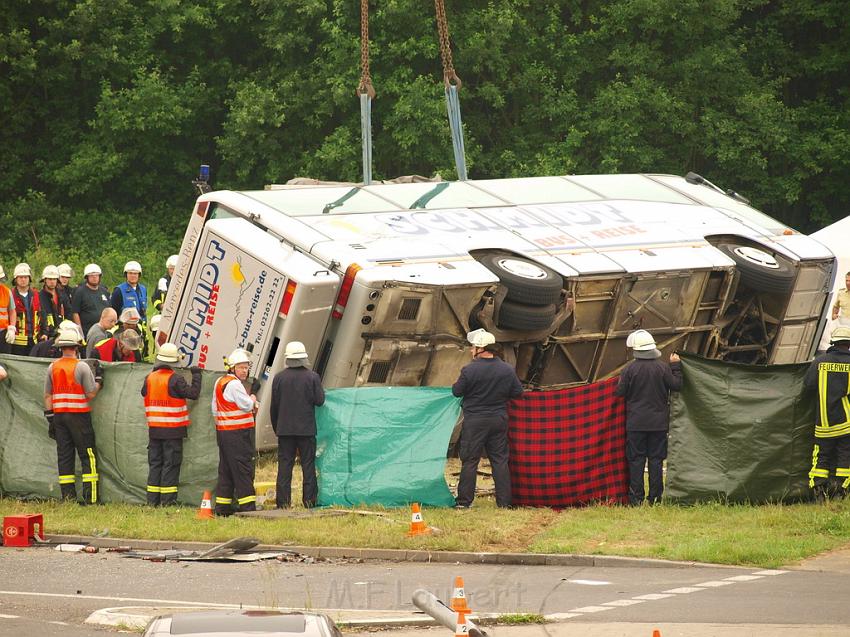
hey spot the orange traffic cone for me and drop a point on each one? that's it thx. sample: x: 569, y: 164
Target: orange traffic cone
x: 417, y: 524
x: 458, y: 601
x: 205, y: 511
x: 461, y: 627
x: 656, y: 633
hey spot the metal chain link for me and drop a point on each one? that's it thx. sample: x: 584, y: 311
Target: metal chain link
x: 365, y: 85
x: 449, y: 75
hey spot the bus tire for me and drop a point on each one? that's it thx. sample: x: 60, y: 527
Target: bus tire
x: 759, y: 269
x: 527, y: 282
x: 529, y: 318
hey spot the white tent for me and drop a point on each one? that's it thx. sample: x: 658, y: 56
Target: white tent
x: 836, y: 237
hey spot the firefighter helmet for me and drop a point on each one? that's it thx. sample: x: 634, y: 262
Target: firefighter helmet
x: 132, y: 266
x: 50, y: 272
x: 480, y: 338
x: 23, y: 269
x: 92, y: 268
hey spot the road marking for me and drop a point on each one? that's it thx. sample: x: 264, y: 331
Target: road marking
x: 624, y: 602
x: 9, y: 616
x: 590, y: 609
x: 554, y: 617
x: 60, y: 623
x: 743, y: 578
x: 653, y: 596
x: 770, y: 572
x: 588, y: 582
x: 714, y: 583
x: 684, y: 590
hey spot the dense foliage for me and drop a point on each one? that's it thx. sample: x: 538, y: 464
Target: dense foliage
x: 107, y: 108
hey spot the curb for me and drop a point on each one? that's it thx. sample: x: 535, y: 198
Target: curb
x: 403, y: 555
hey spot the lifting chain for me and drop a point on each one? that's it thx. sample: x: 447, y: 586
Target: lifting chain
x: 365, y: 85
x: 449, y: 75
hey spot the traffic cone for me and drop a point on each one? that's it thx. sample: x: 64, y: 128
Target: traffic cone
x: 461, y: 627
x: 417, y: 524
x: 458, y: 601
x: 205, y: 511
x: 656, y: 633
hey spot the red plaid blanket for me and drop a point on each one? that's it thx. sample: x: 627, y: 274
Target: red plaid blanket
x: 568, y: 447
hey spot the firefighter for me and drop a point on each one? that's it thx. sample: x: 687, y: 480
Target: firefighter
x: 646, y: 383
x: 829, y: 373
x: 131, y: 293
x: 101, y: 330
x: 486, y: 385
x: 123, y: 348
x: 48, y: 349
x: 52, y: 304
x: 28, y: 327
x: 66, y: 273
x: 233, y: 411
x: 90, y: 299
x: 167, y: 414
x: 296, y: 392
x: 8, y: 315
x: 69, y: 387
x: 162, y: 286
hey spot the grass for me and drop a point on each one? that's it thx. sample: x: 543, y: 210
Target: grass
x: 766, y: 536
x: 516, y: 619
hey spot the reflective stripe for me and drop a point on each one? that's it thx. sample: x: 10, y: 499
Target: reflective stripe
x: 167, y: 410
x: 66, y: 479
x: 832, y: 431
x: 168, y: 490
x: 247, y: 498
x: 819, y: 473
x: 223, y: 500
x: 842, y: 473
x: 92, y: 477
x: 177, y: 421
x: 153, y: 489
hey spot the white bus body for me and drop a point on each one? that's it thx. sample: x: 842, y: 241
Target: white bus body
x: 382, y: 282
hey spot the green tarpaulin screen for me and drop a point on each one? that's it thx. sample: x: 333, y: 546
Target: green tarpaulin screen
x: 385, y: 445
x: 740, y: 433
x: 28, y: 456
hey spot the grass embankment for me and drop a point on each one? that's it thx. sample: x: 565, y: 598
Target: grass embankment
x: 764, y: 536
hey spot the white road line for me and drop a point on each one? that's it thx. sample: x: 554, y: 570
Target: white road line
x: 624, y: 602
x: 60, y: 623
x: 684, y: 590
x: 588, y: 582
x: 653, y: 596
x: 743, y: 578
x: 770, y: 572
x: 9, y: 617
x: 555, y: 617
x: 590, y: 609
x: 714, y: 584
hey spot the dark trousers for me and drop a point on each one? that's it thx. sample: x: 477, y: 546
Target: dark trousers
x: 306, y: 448
x: 4, y: 346
x: 643, y: 447
x: 831, y: 456
x: 164, y: 460
x: 74, y: 434
x: 235, y: 489
x: 490, y: 434
x: 21, y: 350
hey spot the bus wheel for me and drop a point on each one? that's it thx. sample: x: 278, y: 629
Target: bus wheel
x: 760, y: 270
x: 526, y: 281
x: 529, y: 318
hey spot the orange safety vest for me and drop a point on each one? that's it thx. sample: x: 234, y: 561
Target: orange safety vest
x: 228, y: 416
x: 23, y: 337
x: 161, y: 408
x: 5, y: 295
x: 69, y: 397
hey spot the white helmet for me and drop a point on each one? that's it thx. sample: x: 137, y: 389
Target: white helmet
x: 480, y: 338
x: 66, y: 270
x: 295, y: 349
x: 171, y: 262
x: 153, y: 323
x: 169, y: 353
x: 2, y: 272
x: 840, y: 333
x: 50, y: 272
x: 237, y: 356
x: 67, y: 338
x: 92, y: 268
x: 70, y: 326
x: 23, y: 269
x: 132, y: 266
x: 640, y: 341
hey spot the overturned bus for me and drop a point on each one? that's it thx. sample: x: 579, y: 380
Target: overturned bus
x: 382, y: 282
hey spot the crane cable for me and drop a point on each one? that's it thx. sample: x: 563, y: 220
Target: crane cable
x: 452, y: 86
x: 366, y: 93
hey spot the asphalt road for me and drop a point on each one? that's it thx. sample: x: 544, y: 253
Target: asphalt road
x: 46, y: 592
